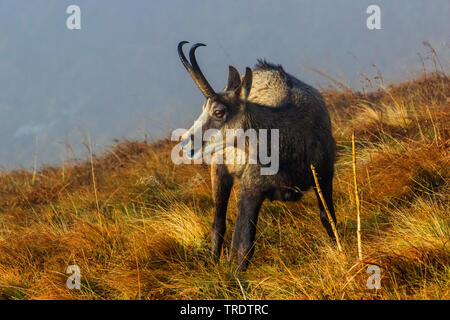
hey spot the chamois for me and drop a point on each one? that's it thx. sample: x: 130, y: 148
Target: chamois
x: 265, y: 98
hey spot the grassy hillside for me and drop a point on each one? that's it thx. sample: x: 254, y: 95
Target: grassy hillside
x: 138, y: 226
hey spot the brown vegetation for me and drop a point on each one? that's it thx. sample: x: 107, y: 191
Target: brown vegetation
x: 138, y: 226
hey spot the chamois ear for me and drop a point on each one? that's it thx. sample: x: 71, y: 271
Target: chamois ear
x: 234, y: 79
x: 243, y: 91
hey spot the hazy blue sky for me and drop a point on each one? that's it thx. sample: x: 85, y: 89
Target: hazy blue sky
x: 119, y: 76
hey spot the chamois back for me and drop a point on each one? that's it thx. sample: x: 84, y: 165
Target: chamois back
x: 274, y: 87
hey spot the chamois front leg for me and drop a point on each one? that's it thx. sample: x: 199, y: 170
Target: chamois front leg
x: 245, y: 230
x: 222, y: 183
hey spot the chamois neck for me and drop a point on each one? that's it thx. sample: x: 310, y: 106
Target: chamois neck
x: 260, y: 116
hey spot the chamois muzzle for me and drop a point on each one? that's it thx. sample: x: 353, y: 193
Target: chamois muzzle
x: 194, y: 69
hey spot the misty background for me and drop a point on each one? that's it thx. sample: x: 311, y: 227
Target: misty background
x: 120, y: 76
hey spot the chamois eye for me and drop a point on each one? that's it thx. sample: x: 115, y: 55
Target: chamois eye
x: 219, y: 114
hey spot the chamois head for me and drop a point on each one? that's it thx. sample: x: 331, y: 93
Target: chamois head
x: 220, y: 110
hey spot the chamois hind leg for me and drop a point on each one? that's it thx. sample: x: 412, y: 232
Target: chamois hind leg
x: 245, y: 230
x: 222, y: 183
x: 326, y: 186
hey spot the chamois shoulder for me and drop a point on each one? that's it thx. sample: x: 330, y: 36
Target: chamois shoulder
x: 274, y: 87
x: 270, y: 84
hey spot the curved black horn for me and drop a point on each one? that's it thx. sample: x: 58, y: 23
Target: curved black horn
x: 194, y: 70
x: 183, y: 59
x: 193, y: 59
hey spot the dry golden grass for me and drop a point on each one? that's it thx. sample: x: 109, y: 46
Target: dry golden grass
x: 138, y: 226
